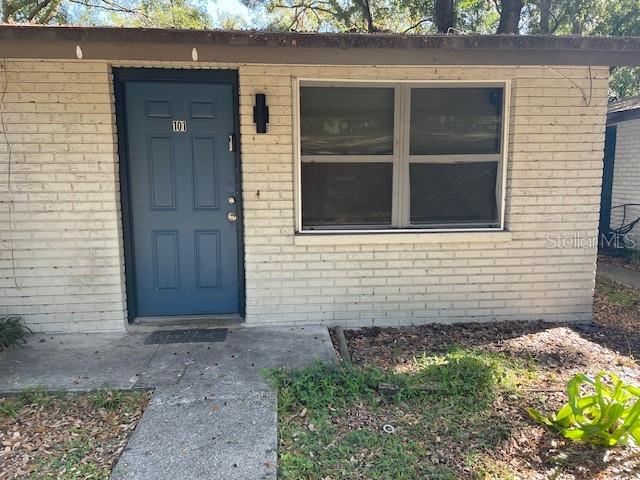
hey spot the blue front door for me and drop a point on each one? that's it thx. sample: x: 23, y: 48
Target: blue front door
x: 183, y: 198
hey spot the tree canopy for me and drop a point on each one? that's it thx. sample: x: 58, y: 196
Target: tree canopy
x: 545, y: 17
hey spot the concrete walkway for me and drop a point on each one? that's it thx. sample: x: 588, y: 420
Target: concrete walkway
x: 619, y: 274
x: 212, y: 415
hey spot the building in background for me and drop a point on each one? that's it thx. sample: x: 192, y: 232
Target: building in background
x: 620, y: 205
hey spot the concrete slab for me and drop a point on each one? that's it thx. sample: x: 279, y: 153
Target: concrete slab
x: 75, y: 362
x: 81, y: 362
x: 245, y: 353
x: 212, y: 414
x: 619, y: 274
x: 224, y: 430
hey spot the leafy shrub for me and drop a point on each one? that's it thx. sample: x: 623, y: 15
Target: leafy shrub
x: 12, y: 331
x: 602, y: 410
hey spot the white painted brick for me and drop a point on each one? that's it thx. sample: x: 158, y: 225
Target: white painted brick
x: 66, y: 235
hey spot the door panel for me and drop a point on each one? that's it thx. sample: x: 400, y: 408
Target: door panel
x: 185, y: 250
x: 162, y: 172
x: 205, y: 172
x: 208, y: 258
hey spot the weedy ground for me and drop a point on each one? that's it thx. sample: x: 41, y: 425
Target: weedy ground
x: 627, y: 258
x: 64, y: 436
x: 333, y: 418
x: 448, y: 402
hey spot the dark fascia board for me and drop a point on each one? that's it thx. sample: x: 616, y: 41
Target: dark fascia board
x: 623, y: 116
x: 108, y: 43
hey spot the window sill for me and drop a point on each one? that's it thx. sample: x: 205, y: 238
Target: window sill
x: 350, y: 238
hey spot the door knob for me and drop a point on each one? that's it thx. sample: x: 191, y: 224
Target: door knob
x: 232, y: 217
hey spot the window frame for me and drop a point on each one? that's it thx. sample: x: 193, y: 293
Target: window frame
x: 401, y: 158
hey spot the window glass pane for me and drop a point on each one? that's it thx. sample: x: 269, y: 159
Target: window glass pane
x: 346, y: 121
x: 454, y: 193
x: 447, y: 121
x: 338, y: 194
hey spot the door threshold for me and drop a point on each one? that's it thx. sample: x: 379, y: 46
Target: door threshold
x: 147, y: 324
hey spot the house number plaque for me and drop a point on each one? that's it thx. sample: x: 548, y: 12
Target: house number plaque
x: 179, y: 125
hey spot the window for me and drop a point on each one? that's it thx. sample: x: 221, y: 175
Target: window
x: 401, y: 156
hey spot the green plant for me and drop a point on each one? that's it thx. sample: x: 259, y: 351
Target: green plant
x: 108, y: 399
x: 602, y: 410
x: 12, y: 331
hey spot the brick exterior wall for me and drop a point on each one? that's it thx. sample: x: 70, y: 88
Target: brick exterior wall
x: 626, y: 176
x: 62, y: 257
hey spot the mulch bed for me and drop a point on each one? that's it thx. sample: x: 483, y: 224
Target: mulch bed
x: 66, y: 436
x: 559, y: 351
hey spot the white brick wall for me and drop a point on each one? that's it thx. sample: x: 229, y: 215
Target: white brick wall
x: 65, y: 223
x: 626, y: 176
x: 66, y: 235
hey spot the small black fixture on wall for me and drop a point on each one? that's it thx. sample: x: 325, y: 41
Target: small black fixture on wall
x: 261, y: 113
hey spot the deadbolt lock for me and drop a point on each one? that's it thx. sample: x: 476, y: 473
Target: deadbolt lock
x: 231, y: 200
x: 232, y: 217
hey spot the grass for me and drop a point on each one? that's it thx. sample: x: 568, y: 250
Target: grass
x: 331, y: 417
x: 111, y: 400
x: 11, y: 405
x: 70, y: 462
x: 616, y: 293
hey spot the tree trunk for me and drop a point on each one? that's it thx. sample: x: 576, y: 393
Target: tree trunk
x: 545, y: 16
x: 576, y: 28
x: 444, y: 15
x: 37, y: 9
x: 366, y: 13
x: 510, y: 16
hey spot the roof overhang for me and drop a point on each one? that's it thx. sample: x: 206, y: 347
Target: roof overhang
x: 107, y: 43
x: 623, y: 116
x: 623, y: 110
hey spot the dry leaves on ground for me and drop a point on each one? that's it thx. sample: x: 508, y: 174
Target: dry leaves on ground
x: 66, y: 436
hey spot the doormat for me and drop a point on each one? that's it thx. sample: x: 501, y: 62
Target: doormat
x: 162, y: 337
